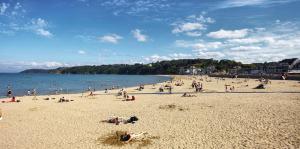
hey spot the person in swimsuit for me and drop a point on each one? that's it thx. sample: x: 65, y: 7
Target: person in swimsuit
x: 118, y: 120
x: 115, y: 120
x: 130, y: 99
x: 129, y: 136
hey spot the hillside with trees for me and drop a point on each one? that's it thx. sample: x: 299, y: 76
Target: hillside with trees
x: 162, y: 67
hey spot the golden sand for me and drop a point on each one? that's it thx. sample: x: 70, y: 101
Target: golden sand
x: 213, y: 119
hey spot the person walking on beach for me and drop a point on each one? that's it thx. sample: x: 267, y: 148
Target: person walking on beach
x: 34, y: 94
x: 28, y: 93
x: 170, y: 90
x: 9, y: 93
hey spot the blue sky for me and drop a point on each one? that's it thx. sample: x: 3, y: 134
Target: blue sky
x: 50, y: 34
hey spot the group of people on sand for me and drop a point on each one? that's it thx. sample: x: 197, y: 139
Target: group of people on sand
x: 31, y: 92
x: 125, y: 136
x: 168, y: 86
x: 125, y: 95
x: 198, y: 86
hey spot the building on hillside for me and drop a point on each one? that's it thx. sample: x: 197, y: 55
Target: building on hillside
x: 197, y: 71
x: 284, y: 66
x: 235, y: 70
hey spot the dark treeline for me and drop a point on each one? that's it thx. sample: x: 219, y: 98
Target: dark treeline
x: 162, y: 67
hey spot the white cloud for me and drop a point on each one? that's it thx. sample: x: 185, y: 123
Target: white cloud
x: 180, y: 56
x: 156, y: 58
x: 243, y: 3
x: 210, y: 54
x: 111, y: 38
x: 198, y: 45
x: 15, y: 66
x: 192, y: 26
x: 139, y: 36
x: 276, y: 42
x: 43, y: 32
x: 244, y: 41
x: 39, y: 23
x: 17, y: 6
x: 3, y: 8
x: 173, y: 56
x: 229, y: 33
x: 82, y: 52
x: 245, y: 48
x: 39, y: 26
x: 135, y: 7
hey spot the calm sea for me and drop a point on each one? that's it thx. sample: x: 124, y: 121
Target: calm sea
x: 69, y: 83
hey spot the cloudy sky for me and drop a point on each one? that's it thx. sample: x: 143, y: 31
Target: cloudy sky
x: 55, y: 33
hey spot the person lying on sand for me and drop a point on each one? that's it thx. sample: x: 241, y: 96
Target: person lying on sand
x: 64, y: 100
x: 188, y: 95
x: 115, y: 120
x: 130, y: 136
x: 260, y: 86
x: 130, y: 99
x: 13, y: 99
x: 118, y: 120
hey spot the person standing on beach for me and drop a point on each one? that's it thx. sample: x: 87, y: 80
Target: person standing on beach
x: 9, y: 93
x: 34, y: 94
x: 28, y: 93
x: 0, y: 114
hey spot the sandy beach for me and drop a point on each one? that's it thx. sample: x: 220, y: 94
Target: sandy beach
x: 244, y: 118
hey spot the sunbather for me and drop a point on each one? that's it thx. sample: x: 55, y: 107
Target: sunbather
x: 118, y: 120
x: 115, y: 120
x: 130, y: 99
x: 129, y: 136
x: 63, y: 100
x: 13, y: 99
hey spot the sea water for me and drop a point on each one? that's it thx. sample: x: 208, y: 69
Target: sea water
x: 69, y: 83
